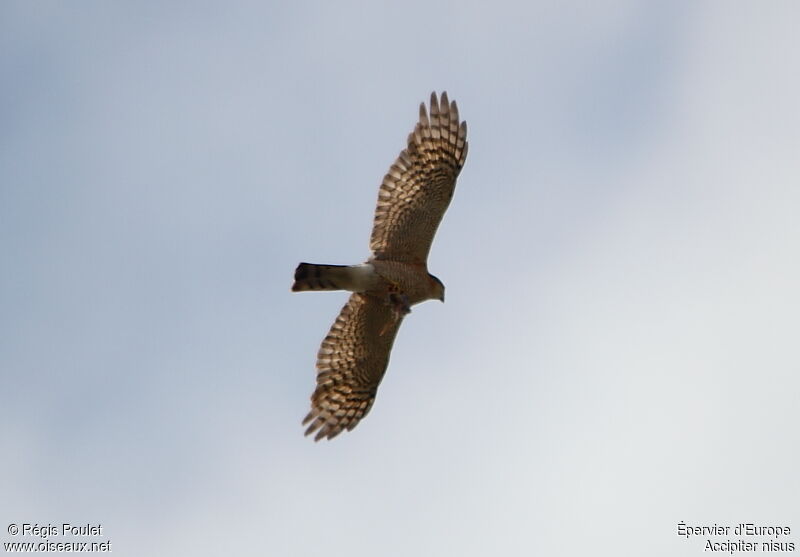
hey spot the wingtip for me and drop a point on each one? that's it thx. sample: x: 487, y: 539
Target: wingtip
x: 313, y: 427
x: 322, y: 428
x: 434, y: 105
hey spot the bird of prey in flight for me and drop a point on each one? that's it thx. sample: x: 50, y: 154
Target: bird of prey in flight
x: 411, y: 203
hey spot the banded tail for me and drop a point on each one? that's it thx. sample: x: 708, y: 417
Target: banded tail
x: 355, y: 278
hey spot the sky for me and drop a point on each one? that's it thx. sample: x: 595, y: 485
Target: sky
x: 618, y: 351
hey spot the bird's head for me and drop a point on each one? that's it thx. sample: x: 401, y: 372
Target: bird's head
x: 437, y: 289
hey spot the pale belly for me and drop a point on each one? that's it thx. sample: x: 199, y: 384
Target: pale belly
x: 408, y: 278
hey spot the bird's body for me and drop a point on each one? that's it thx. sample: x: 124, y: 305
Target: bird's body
x: 375, y: 277
x: 411, y: 202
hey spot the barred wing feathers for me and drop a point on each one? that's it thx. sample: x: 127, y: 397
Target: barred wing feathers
x: 350, y: 365
x: 417, y: 189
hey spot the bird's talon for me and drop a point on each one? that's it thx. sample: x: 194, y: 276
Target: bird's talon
x: 400, y: 304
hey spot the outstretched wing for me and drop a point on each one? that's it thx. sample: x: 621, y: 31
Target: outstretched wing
x: 350, y: 365
x: 417, y: 190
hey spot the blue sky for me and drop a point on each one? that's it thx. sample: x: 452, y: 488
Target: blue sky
x: 618, y: 350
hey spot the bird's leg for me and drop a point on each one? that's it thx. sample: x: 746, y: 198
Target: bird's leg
x: 400, y: 305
